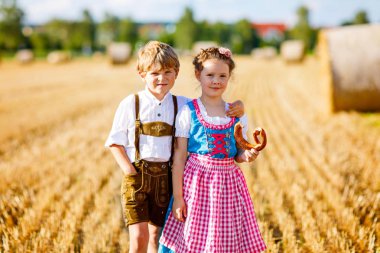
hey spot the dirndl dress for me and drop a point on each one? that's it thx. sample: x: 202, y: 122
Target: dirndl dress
x: 220, y: 213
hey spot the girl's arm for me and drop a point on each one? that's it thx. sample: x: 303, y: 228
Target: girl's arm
x: 122, y: 159
x: 179, y: 160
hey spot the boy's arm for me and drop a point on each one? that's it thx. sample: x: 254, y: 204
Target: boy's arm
x: 179, y: 160
x: 236, y: 109
x: 122, y: 159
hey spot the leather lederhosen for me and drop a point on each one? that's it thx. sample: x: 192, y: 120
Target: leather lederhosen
x: 156, y: 129
x: 146, y: 195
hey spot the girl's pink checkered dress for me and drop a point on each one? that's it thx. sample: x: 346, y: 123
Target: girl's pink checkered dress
x: 220, y: 213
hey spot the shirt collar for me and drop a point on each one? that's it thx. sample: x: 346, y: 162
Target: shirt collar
x: 153, y: 98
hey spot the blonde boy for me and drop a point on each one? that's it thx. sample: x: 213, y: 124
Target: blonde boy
x: 141, y: 143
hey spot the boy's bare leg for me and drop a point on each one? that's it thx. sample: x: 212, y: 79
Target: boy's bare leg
x: 154, y: 236
x: 138, y: 237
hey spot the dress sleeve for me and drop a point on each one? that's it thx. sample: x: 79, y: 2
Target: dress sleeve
x: 244, y: 123
x: 182, y: 122
x: 119, y: 131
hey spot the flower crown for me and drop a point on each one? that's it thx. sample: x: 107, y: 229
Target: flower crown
x: 225, y: 51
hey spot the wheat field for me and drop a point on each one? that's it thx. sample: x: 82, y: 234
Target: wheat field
x: 316, y: 186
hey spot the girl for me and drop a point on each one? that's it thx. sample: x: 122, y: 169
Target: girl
x: 212, y: 210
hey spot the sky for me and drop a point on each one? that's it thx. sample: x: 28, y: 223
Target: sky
x: 322, y: 12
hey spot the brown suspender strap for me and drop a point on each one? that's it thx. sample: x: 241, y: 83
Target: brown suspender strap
x: 173, y: 133
x: 137, y: 128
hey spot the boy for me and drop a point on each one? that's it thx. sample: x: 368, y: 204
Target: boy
x: 141, y: 143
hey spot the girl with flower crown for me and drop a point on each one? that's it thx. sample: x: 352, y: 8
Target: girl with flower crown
x: 212, y: 210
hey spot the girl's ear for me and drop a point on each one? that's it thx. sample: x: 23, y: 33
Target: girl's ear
x: 198, y: 75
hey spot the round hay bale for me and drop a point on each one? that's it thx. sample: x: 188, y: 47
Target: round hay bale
x: 350, y: 62
x: 292, y: 51
x: 56, y: 57
x: 25, y: 56
x: 265, y: 53
x: 119, y: 52
x: 199, y: 45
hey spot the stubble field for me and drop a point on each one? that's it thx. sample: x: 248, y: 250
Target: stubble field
x: 316, y: 187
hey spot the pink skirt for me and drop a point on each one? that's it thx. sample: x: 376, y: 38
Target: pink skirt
x: 220, y: 213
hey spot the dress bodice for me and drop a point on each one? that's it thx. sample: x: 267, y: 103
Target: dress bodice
x: 216, y: 141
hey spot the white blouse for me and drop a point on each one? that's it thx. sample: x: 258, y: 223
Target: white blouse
x: 183, y: 120
x: 151, y: 109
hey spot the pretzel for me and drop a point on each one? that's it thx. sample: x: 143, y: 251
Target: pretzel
x: 243, y: 144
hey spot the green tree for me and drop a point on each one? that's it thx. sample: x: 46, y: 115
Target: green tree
x: 11, y: 17
x: 361, y: 18
x: 58, y: 32
x: 205, y: 31
x: 107, y: 30
x: 40, y: 42
x: 243, y: 37
x: 127, y: 31
x: 222, y: 33
x: 88, y: 29
x: 186, y: 30
x: 303, y: 30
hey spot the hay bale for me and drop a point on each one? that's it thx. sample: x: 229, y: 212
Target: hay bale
x: 350, y: 61
x: 199, y: 45
x: 25, y: 56
x: 119, y: 52
x: 265, y: 53
x: 56, y: 57
x: 292, y: 51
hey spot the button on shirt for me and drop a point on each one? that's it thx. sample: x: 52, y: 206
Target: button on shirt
x: 151, y: 109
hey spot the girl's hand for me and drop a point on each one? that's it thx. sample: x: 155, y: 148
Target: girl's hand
x: 236, y: 109
x: 179, y: 209
x: 249, y: 155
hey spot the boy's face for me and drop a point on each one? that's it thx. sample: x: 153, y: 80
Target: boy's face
x: 159, y: 81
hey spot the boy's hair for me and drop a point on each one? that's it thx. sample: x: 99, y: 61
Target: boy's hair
x: 156, y: 53
x: 219, y: 53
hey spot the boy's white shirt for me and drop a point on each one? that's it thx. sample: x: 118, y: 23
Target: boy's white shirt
x: 122, y: 133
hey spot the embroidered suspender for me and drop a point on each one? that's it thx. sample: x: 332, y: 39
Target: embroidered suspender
x: 153, y: 128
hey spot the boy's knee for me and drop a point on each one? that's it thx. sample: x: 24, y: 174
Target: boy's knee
x: 153, y: 238
x: 139, y: 239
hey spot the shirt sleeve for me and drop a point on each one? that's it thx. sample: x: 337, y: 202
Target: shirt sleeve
x: 244, y: 123
x: 119, y: 131
x: 182, y: 122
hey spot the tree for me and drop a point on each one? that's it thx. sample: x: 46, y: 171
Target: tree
x: 87, y: 28
x: 243, y: 37
x: 11, y: 17
x: 186, y: 30
x: 128, y: 31
x: 222, y: 33
x: 303, y: 30
x: 108, y: 30
x: 360, y: 18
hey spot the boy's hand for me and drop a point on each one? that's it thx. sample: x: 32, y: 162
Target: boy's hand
x: 236, y: 109
x: 129, y: 170
x: 179, y: 209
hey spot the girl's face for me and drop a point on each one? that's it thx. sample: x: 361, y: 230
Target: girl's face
x: 214, y: 77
